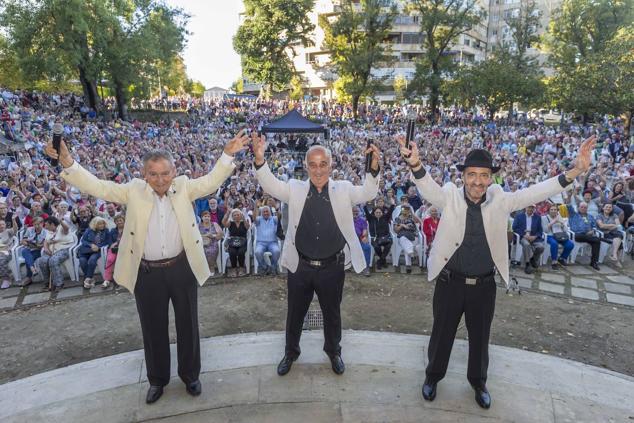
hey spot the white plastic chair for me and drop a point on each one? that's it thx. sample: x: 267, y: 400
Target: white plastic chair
x: 17, y: 260
x: 267, y: 255
x: 584, y: 247
x: 419, y: 247
x: 101, y: 263
x: 247, y: 255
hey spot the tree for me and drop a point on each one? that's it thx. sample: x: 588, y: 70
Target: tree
x: 356, y: 40
x: 297, y: 88
x: 11, y: 75
x: 441, y: 22
x: 195, y: 88
x: 237, y: 86
x: 400, y: 88
x: 267, y: 37
x: 582, y: 42
x: 494, y: 83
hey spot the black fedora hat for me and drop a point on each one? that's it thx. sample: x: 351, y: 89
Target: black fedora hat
x: 478, y: 158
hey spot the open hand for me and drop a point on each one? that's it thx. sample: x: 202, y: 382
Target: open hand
x: 259, y: 147
x: 237, y: 144
x: 584, y: 158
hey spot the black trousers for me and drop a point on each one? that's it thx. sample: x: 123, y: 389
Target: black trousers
x: 154, y: 289
x: 452, y: 298
x: 327, y: 283
x: 382, y: 250
x: 595, y: 245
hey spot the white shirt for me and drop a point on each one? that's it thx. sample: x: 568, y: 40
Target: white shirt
x: 529, y: 222
x: 163, y: 239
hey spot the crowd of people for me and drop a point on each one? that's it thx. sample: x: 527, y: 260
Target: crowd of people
x: 47, y: 213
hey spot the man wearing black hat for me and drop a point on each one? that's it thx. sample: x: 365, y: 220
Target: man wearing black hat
x: 470, y: 243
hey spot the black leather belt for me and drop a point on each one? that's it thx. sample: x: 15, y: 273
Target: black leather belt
x: 164, y: 262
x: 321, y: 262
x: 469, y: 280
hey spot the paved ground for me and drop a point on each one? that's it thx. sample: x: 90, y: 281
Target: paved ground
x: 382, y: 383
x: 609, y: 285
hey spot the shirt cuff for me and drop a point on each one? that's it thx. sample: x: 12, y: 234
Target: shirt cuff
x: 563, y: 181
x: 225, y: 159
x: 72, y: 167
x: 420, y: 173
x: 257, y: 167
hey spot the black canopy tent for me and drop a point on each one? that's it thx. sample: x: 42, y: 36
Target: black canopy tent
x: 294, y: 122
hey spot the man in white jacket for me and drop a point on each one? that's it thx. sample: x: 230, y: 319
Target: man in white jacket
x: 161, y: 257
x: 470, y: 243
x: 320, y: 240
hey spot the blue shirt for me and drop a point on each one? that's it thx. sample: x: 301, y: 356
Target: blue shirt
x: 580, y: 224
x: 266, y: 229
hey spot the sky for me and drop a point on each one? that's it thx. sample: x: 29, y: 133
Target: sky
x: 209, y: 54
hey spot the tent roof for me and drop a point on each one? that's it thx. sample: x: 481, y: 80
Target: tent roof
x: 293, y: 121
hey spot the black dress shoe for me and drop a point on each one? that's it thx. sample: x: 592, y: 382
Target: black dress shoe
x: 529, y: 269
x: 595, y: 266
x: 429, y: 390
x: 482, y: 397
x: 194, y: 389
x: 153, y: 394
x: 337, y: 364
x: 285, y: 365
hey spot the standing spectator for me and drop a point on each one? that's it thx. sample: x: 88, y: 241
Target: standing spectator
x: 215, y: 213
x: 95, y: 237
x: 33, y: 241
x: 528, y: 226
x: 361, y: 229
x: 55, y: 252
x: 608, y: 223
x: 266, y: 234
x: 583, y: 226
x: 116, y: 234
x: 237, y: 242
x: 556, y: 231
x: 81, y: 218
x: 211, y: 234
x: 413, y: 198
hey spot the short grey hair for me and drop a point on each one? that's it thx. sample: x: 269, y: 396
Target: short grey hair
x: 266, y: 208
x: 318, y: 147
x: 160, y: 154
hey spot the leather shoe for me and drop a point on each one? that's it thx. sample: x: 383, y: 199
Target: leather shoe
x: 482, y: 397
x: 153, y: 394
x: 429, y: 390
x: 595, y: 266
x: 285, y: 365
x: 337, y: 364
x: 194, y: 388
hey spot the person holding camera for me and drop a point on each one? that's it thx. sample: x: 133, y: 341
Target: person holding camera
x: 160, y: 255
x: 320, y: 240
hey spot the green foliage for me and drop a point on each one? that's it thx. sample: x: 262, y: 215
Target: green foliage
x: 356, y: 42
x: 196, y: 88
x: 267, y: 37
x: 590, y: 45
x: 400, y: 88
x: 297, y: 88
x: 441, y: 22
x: 238, y: 86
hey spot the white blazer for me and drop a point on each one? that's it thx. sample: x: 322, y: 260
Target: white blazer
x: 495, y: 213
x: 343, y: 196
x: 137, y: 196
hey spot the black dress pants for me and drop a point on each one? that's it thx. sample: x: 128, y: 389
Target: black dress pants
x: 327, y: 283
x: 452, y: 298
x: 154, y: 289
x: 595, y: 245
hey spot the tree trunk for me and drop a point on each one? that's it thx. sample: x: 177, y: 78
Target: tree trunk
x: 91, y: 96
x: 628, y: 124
x: 122, y: 107
x: 434, y: 93
x: 355, y: 105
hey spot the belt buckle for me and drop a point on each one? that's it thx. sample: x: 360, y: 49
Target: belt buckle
x: 470, y: 281
x: 315, y: 263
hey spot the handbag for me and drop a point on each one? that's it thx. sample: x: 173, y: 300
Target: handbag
x: 561, y: 236
x: 237, y: 242
x: 383, y: 240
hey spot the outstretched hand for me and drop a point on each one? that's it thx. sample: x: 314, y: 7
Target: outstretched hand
x: 584, y: 158
x: 259, y: 147
x: 238, y: 143
x: 409, y: 152
x: 376, y: 156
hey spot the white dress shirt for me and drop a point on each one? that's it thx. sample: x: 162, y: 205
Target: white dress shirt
x: 163, y: 239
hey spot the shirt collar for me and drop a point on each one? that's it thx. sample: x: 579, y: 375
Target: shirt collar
x: 471, y: 203
x: 313, y: 188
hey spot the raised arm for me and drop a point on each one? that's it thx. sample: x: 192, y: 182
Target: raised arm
x: 425, y: 184
x: 370, y: 187
x: 208, y: 184
x: 270, y: 184
x: 77, y: 176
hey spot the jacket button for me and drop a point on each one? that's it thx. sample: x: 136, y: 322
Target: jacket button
x: 193, y: 224
x: 131, y: 233
x: 131, y: 252
x: 445, y: 258
x: 197, y: 241
x: 457, y: 245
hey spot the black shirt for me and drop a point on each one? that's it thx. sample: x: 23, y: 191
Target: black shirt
x: 318, y: 235
x: 473, y: 257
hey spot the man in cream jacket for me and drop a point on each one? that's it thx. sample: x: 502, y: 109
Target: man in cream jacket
x: 470, y: 243
x: 320, y: 240
x: 161, y: 257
